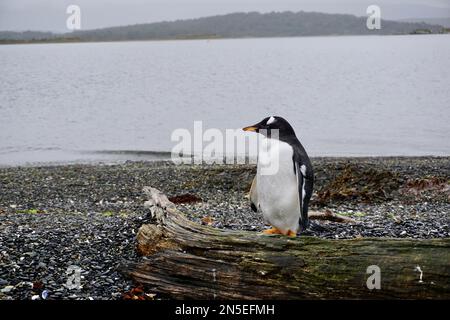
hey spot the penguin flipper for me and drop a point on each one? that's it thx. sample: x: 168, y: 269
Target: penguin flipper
x: 254, y: 196
x: 303, y: 196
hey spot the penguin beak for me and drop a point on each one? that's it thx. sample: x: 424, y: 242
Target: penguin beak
x: 251, y: 128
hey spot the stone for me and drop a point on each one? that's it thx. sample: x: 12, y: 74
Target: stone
x: 7, y: 289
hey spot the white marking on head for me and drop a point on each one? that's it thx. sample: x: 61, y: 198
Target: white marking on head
x: 270, y: 121
x: 303, y: 170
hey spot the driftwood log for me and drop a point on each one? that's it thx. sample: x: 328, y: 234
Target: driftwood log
x: 185, y: 260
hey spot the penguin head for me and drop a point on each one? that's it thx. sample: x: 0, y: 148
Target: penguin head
x: 272, y: 123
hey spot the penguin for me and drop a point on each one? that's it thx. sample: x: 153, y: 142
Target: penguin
x: 282, y: 195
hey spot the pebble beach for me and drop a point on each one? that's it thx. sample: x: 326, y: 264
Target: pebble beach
x: 54, y: 217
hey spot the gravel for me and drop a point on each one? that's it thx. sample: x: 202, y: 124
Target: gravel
x: 86, y: 216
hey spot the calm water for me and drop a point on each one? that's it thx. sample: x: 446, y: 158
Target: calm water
x: 345, y: 96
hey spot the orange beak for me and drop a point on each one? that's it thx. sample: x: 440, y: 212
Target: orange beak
x: 251, y: 128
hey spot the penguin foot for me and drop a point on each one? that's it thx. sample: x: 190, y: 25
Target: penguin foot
x: 291, y: 234
x: 272, y: 231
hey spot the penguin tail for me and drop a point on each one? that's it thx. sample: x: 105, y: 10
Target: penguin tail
x: 304, y: 221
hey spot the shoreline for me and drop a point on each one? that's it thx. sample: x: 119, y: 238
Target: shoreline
x: 25, y: 42
x: 52, y: 217
x: 163, y: 160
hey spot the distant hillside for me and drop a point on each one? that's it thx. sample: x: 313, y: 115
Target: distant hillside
x: 236, y: 25
x: 445, y: 22
x: 27, y: 35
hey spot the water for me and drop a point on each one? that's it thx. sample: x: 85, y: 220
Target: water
x: 345, y: 96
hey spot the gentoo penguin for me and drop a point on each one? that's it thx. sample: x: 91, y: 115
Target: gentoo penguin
x: 282, y: 195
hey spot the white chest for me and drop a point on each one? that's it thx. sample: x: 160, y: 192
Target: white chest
x: 277, y: 185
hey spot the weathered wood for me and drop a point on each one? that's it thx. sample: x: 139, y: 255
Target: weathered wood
x: 330, y: 216
x: 188, y: 260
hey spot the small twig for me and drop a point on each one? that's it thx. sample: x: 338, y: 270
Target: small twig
x: 330, y: 216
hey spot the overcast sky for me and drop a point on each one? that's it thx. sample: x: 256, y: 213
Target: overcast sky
x: 51, y: 14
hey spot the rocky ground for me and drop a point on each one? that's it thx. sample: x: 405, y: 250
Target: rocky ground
x: 86, y: 216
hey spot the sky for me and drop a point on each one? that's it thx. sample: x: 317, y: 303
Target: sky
x: 50, y: 15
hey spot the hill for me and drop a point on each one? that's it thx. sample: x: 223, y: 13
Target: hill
x: 445, y: 22
x: 235, y: 25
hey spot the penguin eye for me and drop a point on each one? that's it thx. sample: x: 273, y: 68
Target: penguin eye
x: 270, y: 121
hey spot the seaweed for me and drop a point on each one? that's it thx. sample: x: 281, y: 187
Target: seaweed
x: 185, y: 198
x: 355, y: 183
x: 417, y: 186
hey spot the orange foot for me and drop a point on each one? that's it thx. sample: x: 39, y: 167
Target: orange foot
x: 291, y: 233
x: 272, y: 231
